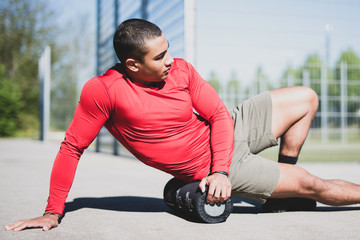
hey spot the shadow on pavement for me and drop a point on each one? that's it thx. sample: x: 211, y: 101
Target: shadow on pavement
x: 253, y: 206
x: 336, y: 209
x: 123, y: 203
x: 150, y: 204
x: 146, y: 204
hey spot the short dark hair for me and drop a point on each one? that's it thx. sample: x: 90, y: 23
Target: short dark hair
x: 130, y: 38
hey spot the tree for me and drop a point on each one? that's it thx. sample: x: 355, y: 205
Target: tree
x: 351, y: 63
x: 10, y: 104
x: 24, y: 27
x: 313, y: 65
x: 287, y: 77
x: 260, y: 84
x: 233, y: 90
x: 295, y: 76
x: 262, y: 81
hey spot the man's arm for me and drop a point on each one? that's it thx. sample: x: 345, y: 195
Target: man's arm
x: 91, y: 113
x: 209, y: 105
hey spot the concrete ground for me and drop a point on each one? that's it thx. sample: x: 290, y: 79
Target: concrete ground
x: 114, y: 197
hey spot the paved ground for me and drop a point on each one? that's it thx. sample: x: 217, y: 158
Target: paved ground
x: 120, y: 198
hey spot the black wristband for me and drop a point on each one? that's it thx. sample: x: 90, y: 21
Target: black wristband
x: 224, y: 173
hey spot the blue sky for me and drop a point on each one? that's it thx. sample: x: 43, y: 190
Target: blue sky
x: 240, y: 35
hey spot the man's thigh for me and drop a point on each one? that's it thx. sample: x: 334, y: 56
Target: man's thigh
x: 252, y: 122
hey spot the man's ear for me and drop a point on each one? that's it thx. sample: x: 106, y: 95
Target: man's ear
x: 132, y: 64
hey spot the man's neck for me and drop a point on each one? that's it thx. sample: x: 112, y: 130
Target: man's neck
x: 121, y: 69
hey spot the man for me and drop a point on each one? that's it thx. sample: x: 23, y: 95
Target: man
x: 147, y: 103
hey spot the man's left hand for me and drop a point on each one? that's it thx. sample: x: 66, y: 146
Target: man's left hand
x: 219, y: 188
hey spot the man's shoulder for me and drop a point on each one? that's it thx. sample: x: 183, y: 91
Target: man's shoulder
x: 110, y: 77
x: 180, y: 63
x: 107, y: 80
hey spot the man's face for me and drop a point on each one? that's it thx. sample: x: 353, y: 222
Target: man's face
x: 156, y: 63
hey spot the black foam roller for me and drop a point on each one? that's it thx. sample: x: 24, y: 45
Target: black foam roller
x: 187, y: 198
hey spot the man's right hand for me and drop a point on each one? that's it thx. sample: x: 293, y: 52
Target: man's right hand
x: 45, y: 222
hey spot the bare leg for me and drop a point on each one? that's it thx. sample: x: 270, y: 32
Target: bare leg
x: 293, y: 110
x: 296, y: 182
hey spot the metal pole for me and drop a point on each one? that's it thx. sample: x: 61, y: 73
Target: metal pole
x: 98, y: 10
x: 324, y: 104
x: 328, y: 28
x: 144, y: 14
x: 306, y: 83
x: 343, y: 87
x: 116, y: 22
x: 44, y: 76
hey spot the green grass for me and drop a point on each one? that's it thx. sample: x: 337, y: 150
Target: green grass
x: 319, y: 152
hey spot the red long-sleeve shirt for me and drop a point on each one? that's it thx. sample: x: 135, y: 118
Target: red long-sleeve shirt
x: 157, y: 125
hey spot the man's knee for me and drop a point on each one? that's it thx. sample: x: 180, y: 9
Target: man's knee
x: 297, y: 182
x: 311, y: 98
x: 311, y: 185
x: 308, y: 97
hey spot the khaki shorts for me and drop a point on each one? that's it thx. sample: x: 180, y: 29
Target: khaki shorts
x: 252, y: 176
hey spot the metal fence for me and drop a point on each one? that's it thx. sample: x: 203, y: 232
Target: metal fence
x: 338, y: 88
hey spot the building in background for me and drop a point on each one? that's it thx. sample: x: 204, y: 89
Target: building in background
x: 175, y: 18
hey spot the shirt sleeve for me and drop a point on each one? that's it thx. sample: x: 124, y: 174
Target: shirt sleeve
x: 91, y: 113
x: 209, y: 105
